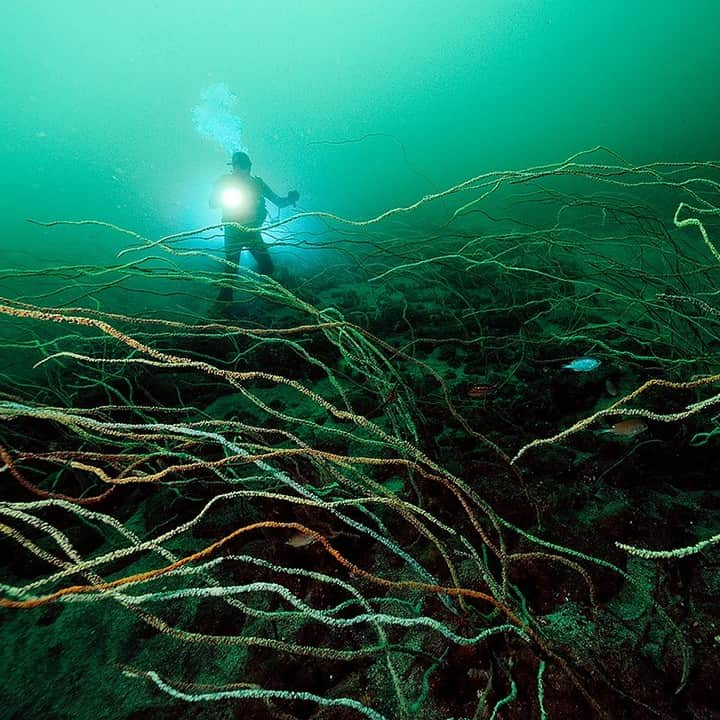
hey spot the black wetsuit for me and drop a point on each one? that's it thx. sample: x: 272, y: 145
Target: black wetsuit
x: 250, y: 211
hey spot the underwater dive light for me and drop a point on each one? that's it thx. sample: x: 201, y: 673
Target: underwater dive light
x: 233, y: 198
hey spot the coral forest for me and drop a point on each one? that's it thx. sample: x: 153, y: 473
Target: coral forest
x: 468, y: 469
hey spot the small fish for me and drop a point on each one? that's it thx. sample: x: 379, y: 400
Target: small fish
x: 481, y: 390
x: 627, y: 428
x: 300, y: 539
x: 582, y: 364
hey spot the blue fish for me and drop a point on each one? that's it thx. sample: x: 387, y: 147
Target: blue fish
x: 582, y: 364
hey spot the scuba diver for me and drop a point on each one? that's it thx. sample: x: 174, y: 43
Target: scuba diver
x: 241, y: 196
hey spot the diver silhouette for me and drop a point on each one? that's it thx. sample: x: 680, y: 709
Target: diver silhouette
x: 241, y: 197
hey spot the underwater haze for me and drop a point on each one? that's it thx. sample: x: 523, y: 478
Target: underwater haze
x: 360, y: 360
x: 361, y: 106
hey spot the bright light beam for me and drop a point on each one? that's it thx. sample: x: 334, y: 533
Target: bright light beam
x: 235, y: 199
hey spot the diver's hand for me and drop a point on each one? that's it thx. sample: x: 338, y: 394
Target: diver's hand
x: 293, y: 196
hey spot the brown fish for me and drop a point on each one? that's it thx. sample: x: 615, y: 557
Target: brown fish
x: 481, y: 390
x: 300, y: 539
x: 627, y: 428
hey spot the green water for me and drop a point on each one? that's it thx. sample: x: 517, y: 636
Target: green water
x: 97, y: 101
x: 375, y: 484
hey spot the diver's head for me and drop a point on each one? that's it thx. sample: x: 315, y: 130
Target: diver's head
x: 241, y: 162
